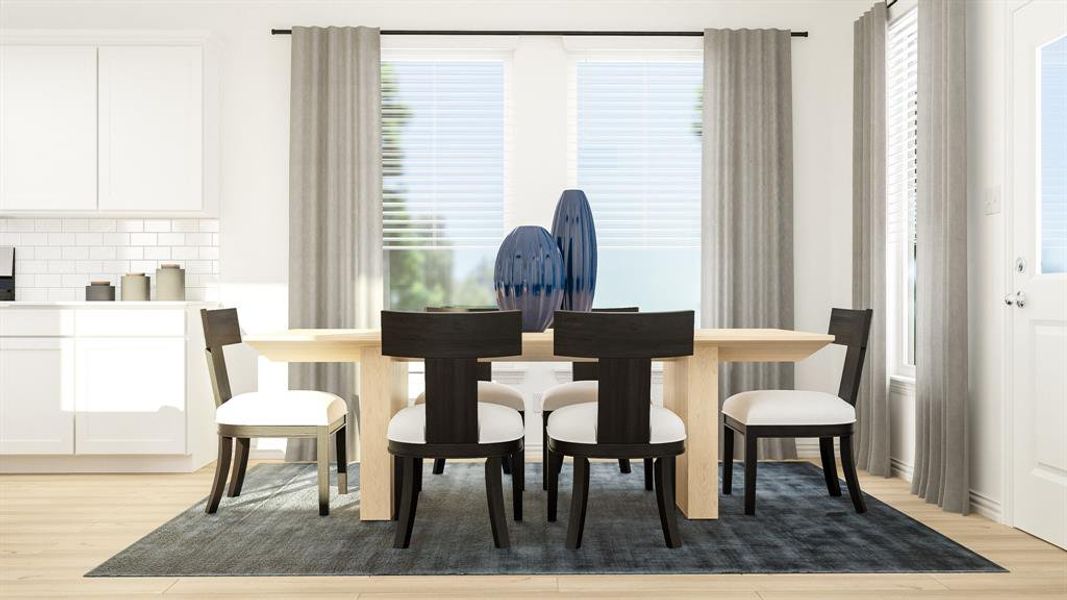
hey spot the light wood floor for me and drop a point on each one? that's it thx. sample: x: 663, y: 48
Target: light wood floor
x: 54, y: 528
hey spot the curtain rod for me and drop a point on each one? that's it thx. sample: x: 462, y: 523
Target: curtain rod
x: 803, y: 34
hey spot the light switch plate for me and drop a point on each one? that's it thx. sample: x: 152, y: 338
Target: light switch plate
x: 991, y: 200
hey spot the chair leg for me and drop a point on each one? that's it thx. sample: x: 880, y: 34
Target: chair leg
x: 579, y: 500
x: 438, y: 466
x: 505, y: 465
x: 544, y: 449
x: 751, y: 451
x: 829, y: 466
x: 398, y: 484
x: 240, y: 465
x: 342, y: 460
x: 409, y: 502
x: 418, y: 475
x: 665, y: 500
x: 494, y: 494
x: 322, y: 449
x: 518, y: 472
x: 848, y: 463
x: 222, y: 467
x: 624, y: 465
x: 727, y: 460
x: 553, y: 484
x: 648, y: 474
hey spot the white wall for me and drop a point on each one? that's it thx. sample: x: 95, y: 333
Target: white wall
x: 254, y: 75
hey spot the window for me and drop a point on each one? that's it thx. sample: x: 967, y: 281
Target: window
x: 636, y: 152
x: 1053, y: 179
x: 444, y: 184
x: 902, y: 123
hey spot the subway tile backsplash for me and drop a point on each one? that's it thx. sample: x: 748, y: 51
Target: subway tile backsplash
x: 56, y: 258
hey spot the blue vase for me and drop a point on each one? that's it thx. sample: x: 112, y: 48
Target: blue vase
x: 529, y: 276
x: 575, y: 234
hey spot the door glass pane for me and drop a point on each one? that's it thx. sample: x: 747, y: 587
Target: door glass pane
x: 1053, y: 173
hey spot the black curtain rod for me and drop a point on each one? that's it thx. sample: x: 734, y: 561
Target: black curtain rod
x: 554, y: 33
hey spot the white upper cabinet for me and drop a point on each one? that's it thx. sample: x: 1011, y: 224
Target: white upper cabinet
x: 48, y: 128
x: 151, y: 128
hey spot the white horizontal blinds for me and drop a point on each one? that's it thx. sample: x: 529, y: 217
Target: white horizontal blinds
x: 637, y: 151
x: 443, y: 153
x: 902, y: 80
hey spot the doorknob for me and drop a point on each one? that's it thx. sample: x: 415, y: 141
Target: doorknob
x: 1018, y: 299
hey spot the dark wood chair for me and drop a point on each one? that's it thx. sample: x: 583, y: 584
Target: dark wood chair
x: 577, y: 392
x: 488, y: 390
x: 452, y: 423
x: 622, y: 422
x: 803, y: 414
x: 286, y: 413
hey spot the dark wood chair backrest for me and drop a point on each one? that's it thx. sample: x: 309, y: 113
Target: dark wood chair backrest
x: 485, y: 369
x: 624, y: 344
x: 451, y: 343
x: 587, y: 371
x: 221, y: 329
x: 851, y: 329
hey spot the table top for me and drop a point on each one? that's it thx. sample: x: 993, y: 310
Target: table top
x: 346, y: 345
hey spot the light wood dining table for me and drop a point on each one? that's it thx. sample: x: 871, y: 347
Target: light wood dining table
x: 690, y: 388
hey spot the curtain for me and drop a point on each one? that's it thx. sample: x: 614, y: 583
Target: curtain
x: 335, y: 199
x: 941, y: 453
x: 869, y: 233
x: 747, y: 200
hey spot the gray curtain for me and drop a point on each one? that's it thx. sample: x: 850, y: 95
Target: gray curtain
x: 747, y: 199
x: 941, y: 453
x: 869, y: 233
x: 335, y: 199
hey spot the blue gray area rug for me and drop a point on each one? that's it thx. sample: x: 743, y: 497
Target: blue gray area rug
x: 274, y: 528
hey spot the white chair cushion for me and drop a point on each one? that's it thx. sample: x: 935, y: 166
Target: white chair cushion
x: 495, y: 424
x: 577, y: 424
x: 493, y: 393
x: 788, y: 407
x: 566, y: 394
x: 297, y: 408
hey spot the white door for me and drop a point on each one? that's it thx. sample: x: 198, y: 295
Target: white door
x: 36, y: 396
x: 47, y: 128
x: 151, y: 128
x: 1038, y: 297
x: 130, y: 396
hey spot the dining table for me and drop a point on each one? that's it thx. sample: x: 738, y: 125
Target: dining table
x: 690, y: 389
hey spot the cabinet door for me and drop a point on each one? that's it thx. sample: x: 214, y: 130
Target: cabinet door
x: 130, y: 396
x: 151, y: 128
x: 47, y: 128
x: 36, y: 396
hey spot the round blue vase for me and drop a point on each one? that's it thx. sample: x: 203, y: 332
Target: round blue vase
x: 575, y: 234
x: 529, y: 276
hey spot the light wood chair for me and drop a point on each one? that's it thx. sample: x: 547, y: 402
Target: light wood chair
x: 622, y: 422
x: 287, y: 413
x: 803, y: 414
x: 452, y: 423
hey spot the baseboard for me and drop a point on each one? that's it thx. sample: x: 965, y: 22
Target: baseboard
x: 986, y: 506
x: 92, y: 463
x: 808, y: 448
x: 900, y: 469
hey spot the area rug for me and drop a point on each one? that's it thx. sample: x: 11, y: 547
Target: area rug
x: 274, y: 528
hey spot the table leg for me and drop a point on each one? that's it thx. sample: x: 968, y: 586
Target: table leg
x: 383, y: 390
x: 691, y: 389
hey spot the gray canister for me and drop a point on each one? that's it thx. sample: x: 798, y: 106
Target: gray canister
x: 99, y: 291
x: 170, y: 283
x: 135, y: 286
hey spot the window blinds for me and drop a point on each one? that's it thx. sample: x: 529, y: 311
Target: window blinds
x: 902, y: 79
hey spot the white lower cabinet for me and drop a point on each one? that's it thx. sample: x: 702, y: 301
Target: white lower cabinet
x: 36, y: 396
x: 130, y: 395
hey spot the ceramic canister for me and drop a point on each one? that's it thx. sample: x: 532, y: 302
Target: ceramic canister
x: 99, y: 291
x: 135, y: 287
x: 170, y: 282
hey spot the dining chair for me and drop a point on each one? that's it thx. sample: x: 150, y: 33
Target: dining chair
x: 622, y: 422
x: 280, y: 414
x: 581, y: 388
x: 488, y: 390
x: 804, y: 414
x: 452, y: 423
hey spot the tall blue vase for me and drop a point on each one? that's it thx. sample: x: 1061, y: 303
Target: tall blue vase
x: 575, y: 234
x: 529, y: 276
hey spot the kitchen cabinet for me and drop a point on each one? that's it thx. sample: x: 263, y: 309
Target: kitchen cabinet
x: 36, y: 396
x: 48, y: 140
